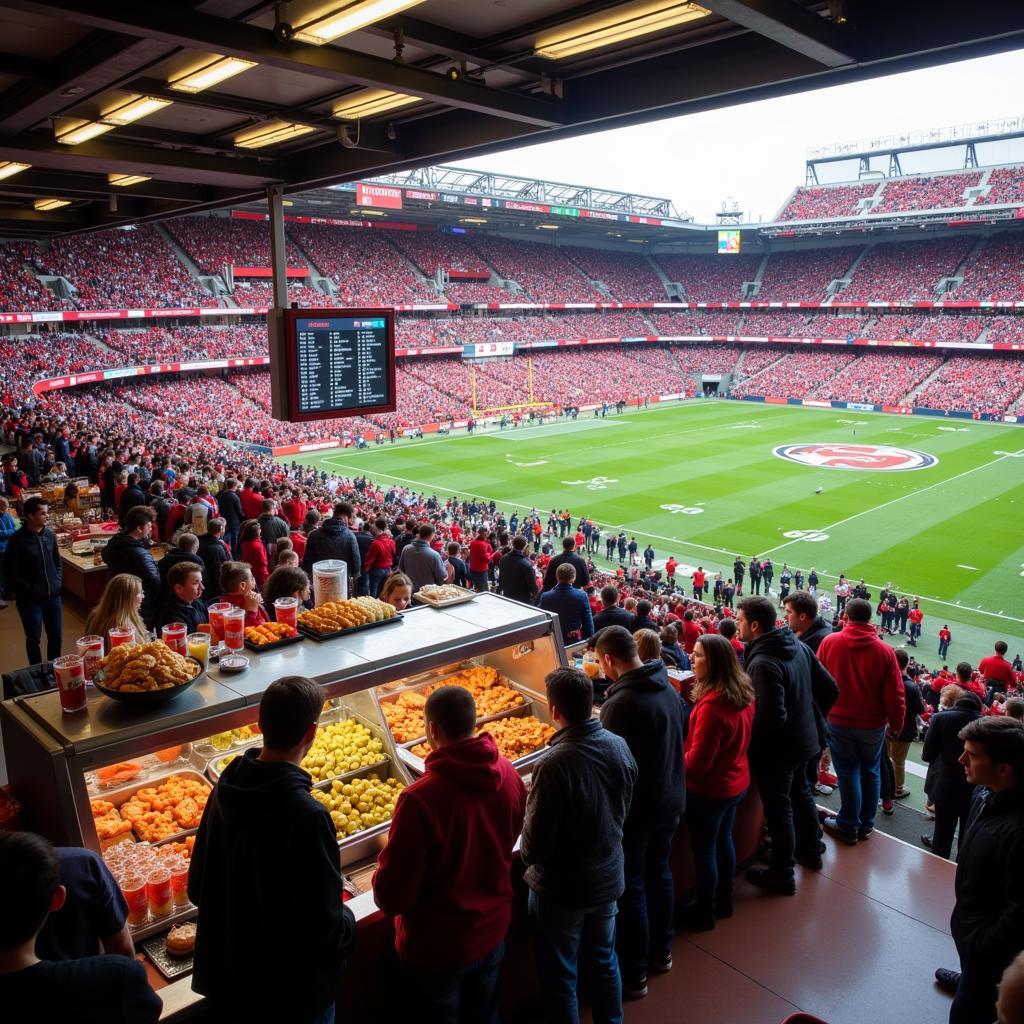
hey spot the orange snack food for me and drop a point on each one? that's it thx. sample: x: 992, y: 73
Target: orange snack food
x: 113, y: 774
x: 517, y: 737
x: 169, y: 754
x: 268, y: 633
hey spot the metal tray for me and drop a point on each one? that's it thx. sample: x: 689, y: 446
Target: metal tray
x: 124, y: 793
x: 335, y: 715
x: 169, y: 966
x: 320, y: 637
x: 448, y: 602
x: 283, y: 642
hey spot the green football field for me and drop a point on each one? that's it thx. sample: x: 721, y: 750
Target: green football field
x: 701, y: 480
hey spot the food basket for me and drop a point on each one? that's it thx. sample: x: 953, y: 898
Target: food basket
x: 148, y: 698
x: 286, y: 641
x: 459, y: 595
x: 319, y: 637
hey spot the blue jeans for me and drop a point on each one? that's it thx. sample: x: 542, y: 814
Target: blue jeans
x: 647, y: 906
x: 856, y: 758
x: 468, y: 995
x: 35, y: 615
x: 567, y: 937
x: 943, y: 648
x: 710, y: 822
x: 377, y: 578
x: 231, y: 539
x: 479, y: 581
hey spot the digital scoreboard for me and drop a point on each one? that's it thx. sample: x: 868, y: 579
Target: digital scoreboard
x: 339, y: 362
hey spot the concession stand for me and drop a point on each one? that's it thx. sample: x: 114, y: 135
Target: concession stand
x: 89, y: 778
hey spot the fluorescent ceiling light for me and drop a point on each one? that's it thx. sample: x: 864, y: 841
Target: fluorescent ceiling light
x: 8, y: 168
x: 547, y: 227
x: 209, y: 74
x: 369, y: 213
x: 80, y: 131
x: 370, y: 102
x: 50, y: 204
x: 350, y: 18
x: 627, y: 21
x: 124, y: 180
x: 473, y: 220
x: 134, y: 110
x: 271, y: 134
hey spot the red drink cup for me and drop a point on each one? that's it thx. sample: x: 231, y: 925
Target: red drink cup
x: 134, y: 889
x: 234, y: 628
x: 121, y: 635
x: 217, y: 619
x: 179, y: 880
x: 90, y: 649
x: 286, y: 610
x: 70, y: 672
x: 173, y: 635
x: 159, y: 892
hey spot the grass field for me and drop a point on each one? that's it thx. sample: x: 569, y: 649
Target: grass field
x: 701, y: 482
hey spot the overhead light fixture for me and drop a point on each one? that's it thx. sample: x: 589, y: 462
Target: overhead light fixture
x: 369, y: 213
x: 44, y: 205
x: 212, y: 73
x: 547, y: 227
x: 271, y: 134
x: 8, y: 168
x: 370, y: 102
x: 627, y: 21
x: 473, y: 220
x: 124, y: 180
x: 78, y: 132
x: 350, y: 18
x: 134, y: 110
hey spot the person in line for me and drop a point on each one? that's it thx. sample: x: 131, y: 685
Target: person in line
x: 185, y: 603
x: 271, y: 918
x: 898, y: 745
x: 119, y: 607
x: 253, y: 552
x: 568, y: 556
x: 611, y: 614
x: 788, y: 683
x: 950, y: 791
x: 570, y: 604
x: 214, y: 552
x: 397, y: 591
x: 642, y: 708
x: 446, y: 868
x: 480, y: 553
x: 333, y: 539
x: 717, y: 774
x: 988, y: 917
x: 870, y: 696
x: 88, y: 989
x: 380, y: 556
x: 996, y: 671
x: 517, y: 577
x: 573, y: 850
x: 128, y: 551
x: 33, y: 567
x: 420, y: 562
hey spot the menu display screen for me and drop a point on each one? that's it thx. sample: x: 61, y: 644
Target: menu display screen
x: 341, y: 362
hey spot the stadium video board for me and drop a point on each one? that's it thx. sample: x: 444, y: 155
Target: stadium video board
x: 338, y: 362
x: 728, y: 241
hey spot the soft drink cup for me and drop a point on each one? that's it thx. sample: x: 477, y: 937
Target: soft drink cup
x: 217, y: 619
x: 199, y: 647
x: 234, y: 628
x: 90, y: 649
x: 173, y: 635
x: 134, y: 888
x: 121, y: 635
x: 158, y: 892
x: 286, y: 610
x: 179, y: 880
x: 70, y: 673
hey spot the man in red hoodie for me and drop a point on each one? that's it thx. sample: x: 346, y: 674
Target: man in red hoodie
x: 380, y: 556
x: 480, y: 552
x: 870, y: 694
x: 446, y: 870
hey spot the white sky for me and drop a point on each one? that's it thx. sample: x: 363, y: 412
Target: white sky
x: 755, y: 153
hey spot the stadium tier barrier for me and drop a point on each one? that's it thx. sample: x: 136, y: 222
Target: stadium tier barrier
x: 900, y: 410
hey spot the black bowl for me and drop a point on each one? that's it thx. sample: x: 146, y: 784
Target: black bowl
x: 149, y: 697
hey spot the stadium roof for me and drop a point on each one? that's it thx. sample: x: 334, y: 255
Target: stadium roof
x: 212, y: 102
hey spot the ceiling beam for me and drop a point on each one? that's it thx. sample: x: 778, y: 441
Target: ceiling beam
x: 17, y: 66
x: 197, y: 31
x: 794, y: 27
x: 37, y: 182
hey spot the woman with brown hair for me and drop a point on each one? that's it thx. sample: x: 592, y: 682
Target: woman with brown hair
x: 717, y: 775
x: 118, y: 607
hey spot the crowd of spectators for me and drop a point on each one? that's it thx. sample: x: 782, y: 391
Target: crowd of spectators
x: 215, y: 242
x: 715, y: 323
x: 878, y: 378
x: 906, y: 270
x: 160, y: 344
x: 463, y: 292
x: 757, y: 358
x: 794, y: 376
x: 542, y: 270
x: 628, y: 275
x: 923, y: 327
x: 1006, y: 185
x: 710, y: 278
x: 257, y: 293
x: 431, y: 250
x: 20, y: 290
x: 819, y: 202
x: 995, y: 271
x: 931, y: 192
x: 804, y: 276
x: 1005, y: 329
x: 776, y: 323
x: 982, y: 384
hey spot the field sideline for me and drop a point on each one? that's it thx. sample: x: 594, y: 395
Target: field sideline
x: 701, y: 481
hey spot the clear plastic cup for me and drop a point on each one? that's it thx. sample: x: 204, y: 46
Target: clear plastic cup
x: 90, y: 649
x: 70, y: 673
x: 286, y: 610
x: 136, y: 896
x: 217, y: 619
x: 158, y: 891
x: 199, y: 647
x: 178, y: 867
x: 173, y: 635
x: 121, y: 635
x: 234, y: 628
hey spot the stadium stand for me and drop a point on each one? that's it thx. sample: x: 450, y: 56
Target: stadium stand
x: 629, y: 276
x: 19, y: 288
x: 819, y: 203
x: 543, y: 271
x: 926, y: 328
x: 696, y: 321
x: 804, y: 276
x: 215, y: 242
x: 795, y: 375
x: 1006, y: 185
x: 931, y: 192
x: 431, y: 250
x: 974, y: 384
x: 995, y: 272
x: 878, y: 378
x: 906, y: 270
x: 710, y: 278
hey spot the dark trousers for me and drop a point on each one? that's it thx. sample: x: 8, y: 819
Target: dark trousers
x: 992, y: 687
x: 950, y: 812
x: 975, y: 999
x: 755, y: 584
x: 790, y: 812
x: 377, y: 578
x: 710, y: 822
x: 231, y: 539
x: 34, y: 616
x: 646, y: 907
x: 468, y: 995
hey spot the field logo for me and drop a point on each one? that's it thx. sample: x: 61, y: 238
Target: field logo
x: 597, y: 483
x: 814, y: 536
x: 685, y: 510
x: 871, y: 457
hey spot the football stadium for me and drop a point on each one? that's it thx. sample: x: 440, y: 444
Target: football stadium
x: 441, y: 575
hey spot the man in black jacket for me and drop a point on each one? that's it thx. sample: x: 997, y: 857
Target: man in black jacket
x: 231, y: 512
x: 128, y: 551
x: 271, y: 917
x: 572, y: 847
x: 185, y: 550
x: 611, y: 614
x: 333, y: 539
x: 517, y: 578
x: 569, y: 556
x: 32, y: 566
x: 214, y: 554
x: 132, y: 495
x: 185, y: 601
x: 789, y: 682
x: 646, y: 712
x: 988, y: 918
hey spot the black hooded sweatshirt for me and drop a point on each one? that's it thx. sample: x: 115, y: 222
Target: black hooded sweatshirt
x: 266, y: 877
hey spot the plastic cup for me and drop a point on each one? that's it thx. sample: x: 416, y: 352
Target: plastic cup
x: 179, y: 880
x: 135, y: 894
x: 158, y: 892
x: 234, y: 628
x: 90, y: 650
x: 217, y: 619
x: 121, y: 635
x: 286, y: 610
x: 173, y: 635
x: 199, y: 647
x: 70, y: 673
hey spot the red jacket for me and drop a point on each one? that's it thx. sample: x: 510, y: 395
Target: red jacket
x: 294, y: 510
x: 869, y: 678
x: 254, y: 554
x: 252, y: 503
x: 480, y: 552
x: 256, y: 618
x: 716, y: 747
x: 298, y: 543
x: 381, y: 553
x: 997, y: 668
x: 446, y: 870
x: 691, y: 634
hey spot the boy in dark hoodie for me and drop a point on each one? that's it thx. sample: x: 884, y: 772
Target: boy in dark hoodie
x: 266, y: 876
x: 446, y: 870
x: 186, y: 602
